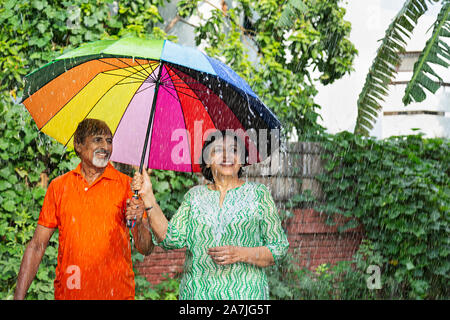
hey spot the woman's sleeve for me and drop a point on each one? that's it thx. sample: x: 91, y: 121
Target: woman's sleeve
x: 177, y: 226
x: 273, y: 235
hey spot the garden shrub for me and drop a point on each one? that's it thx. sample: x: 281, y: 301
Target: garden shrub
x: 25, y: 154
x: 399, y: 190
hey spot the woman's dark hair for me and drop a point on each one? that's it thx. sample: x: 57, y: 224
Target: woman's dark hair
x: 214, y: 136
x: 90, y: 127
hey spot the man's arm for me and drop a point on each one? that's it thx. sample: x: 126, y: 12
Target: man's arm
x: 141, y: 231
x: 31, y: 260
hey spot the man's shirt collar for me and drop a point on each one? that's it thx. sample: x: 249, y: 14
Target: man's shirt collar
x: 109, y: 173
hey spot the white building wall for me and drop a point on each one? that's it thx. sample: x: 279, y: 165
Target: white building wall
x: 370, y: 19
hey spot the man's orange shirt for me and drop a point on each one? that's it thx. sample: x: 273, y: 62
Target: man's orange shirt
x: 94, y: 254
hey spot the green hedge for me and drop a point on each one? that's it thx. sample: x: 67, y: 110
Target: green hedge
x: 399, y: 190
x: 25, y: 153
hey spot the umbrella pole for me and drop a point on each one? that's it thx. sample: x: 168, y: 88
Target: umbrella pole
x: 130, y: 223
x: 150, y: 120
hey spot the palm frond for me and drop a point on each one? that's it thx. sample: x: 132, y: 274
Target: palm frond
x: 386, y: 61
x: 436, y: 51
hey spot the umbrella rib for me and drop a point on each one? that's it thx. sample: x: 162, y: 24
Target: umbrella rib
x: 151, y: 75
x: 139, y: 71
x: 180, y: 81
x: 145, y: 69
x: 188, y: 95
x: 178, y: 72
x: 118, y: 67
x: 150, y: 86
x: 194, y: 90
x: 137, y: 81
x: 138, y: 78
x: 123, y: 114
x: 87, y: 114
x: 175, y: 71
x: 185, y: 124
x: 169, y: 91
x: 131, y: 76
x: 208, y: 91
x: 122, y: 68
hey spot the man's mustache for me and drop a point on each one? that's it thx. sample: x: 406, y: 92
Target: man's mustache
x: 101, y: 150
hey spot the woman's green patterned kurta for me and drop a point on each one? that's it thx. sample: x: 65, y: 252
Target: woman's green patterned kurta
x: 248, y: 218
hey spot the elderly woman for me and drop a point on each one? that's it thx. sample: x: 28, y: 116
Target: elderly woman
x: 230, y: 228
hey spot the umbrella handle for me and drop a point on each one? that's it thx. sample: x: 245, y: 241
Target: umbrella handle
x: 131, y: 223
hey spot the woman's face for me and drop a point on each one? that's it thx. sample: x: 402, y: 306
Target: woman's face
x: 225, y: 157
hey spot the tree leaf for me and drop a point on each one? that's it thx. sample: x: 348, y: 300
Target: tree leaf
x: 430, y: 54
x: 4, y: 185
x: 383, y: 68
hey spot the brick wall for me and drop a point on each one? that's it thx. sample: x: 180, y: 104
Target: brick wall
x: 160, y: 263
x: 311, y: 241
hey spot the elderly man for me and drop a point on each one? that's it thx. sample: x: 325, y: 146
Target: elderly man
x: 88, y: 206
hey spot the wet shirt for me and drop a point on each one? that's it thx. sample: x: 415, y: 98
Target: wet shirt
x: 248, y: 217
x: 94, y: 253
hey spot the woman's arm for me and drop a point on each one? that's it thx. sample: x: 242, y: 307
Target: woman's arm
x: 258, y: 256
x: 273, y: 236
x: 156, y: 218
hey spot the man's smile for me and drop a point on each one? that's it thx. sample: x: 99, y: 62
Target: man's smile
x: 101, y: 153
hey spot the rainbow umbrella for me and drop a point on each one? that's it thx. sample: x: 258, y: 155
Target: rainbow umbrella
x: 157, y: 97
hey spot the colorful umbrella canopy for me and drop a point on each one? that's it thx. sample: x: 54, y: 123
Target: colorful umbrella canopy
x: 157, y: 97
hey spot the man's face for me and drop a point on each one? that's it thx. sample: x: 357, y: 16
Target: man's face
x: 96, y: 150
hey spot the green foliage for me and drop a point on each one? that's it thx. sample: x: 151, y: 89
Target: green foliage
x: 387, y: 59
x: 436, y: 51
x: 399, y: 190
x: 25, y: 154
x: 346, y: 280
x: 287, y: 39
x: 170, y: 187
x: 168, y: 289
x: 34, y: 32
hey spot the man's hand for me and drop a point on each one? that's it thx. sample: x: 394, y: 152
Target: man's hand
x: 142, y: 237
x: 135, y: 210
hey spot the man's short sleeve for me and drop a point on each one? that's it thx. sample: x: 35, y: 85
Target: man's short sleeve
x: 47, y: 217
